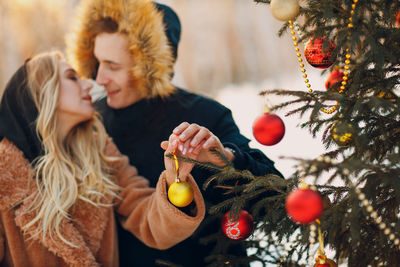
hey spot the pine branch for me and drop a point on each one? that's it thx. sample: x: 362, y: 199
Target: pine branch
x: 205, y: 165
x: 370, y: 162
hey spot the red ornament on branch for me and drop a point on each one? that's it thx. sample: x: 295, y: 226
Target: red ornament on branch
x: 304, y: 205
x: 398, y: 19
x: 334, y: 80
x: 268, y: 129
x: 320, y: 55
x: 240, y: 229
x: 322, y: 261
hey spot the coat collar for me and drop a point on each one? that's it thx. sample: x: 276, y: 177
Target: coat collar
x: 87, y: 224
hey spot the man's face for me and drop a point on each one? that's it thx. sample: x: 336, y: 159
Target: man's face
x: 115, y: 61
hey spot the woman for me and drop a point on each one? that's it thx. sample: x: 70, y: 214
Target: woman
x: 62, y: 178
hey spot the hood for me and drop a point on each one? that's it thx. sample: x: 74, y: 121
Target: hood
x: 142, y: 21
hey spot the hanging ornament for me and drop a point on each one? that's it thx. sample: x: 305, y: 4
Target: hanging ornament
x: 328, y: 263
x: 239, y: 229
x: 304, y: 205
x: 323, y: 261
x: 398, y: 19
x: 318, y: 55
x: 387, y: 96
x: 342, y: 133
x: 285, y: 10
x: 180, y: 193
x: 316, y: 59
x: 334, y: 80
x: 268, y: 129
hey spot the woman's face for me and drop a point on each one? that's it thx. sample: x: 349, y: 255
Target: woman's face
x: 75, y: 103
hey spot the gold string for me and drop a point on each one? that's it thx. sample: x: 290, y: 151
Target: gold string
x: 176, y: 167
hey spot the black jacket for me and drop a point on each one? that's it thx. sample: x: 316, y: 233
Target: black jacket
x: 138, y: 131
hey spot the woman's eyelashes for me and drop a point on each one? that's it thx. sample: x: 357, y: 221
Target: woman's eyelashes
x: 72, y: 75
x: 73, y: 78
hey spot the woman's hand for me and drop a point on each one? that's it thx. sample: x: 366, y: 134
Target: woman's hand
x: 171, y: 146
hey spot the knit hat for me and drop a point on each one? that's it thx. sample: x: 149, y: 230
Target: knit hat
x: 172, y: 27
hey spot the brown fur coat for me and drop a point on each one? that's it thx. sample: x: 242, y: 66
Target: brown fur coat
x: 144, y: 211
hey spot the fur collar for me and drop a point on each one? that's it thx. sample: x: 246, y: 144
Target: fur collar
x: 88, y: 223
x: 149, y: 46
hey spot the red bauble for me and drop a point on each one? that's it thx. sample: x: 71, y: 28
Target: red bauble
x: 334, y: 79
x: 304, y: 205
x: 318, y: 55
x: 268, y: 129
x: 398, y: 19
x: 326, y: 262
x: 240, y: 229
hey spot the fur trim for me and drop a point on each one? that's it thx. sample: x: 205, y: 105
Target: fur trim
x: 148, y: 42
x: 88, y: 222
x: 73, y: 256
x: 91, y: 222
x: 15, y: 172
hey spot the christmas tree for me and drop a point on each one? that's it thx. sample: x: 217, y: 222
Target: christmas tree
x: 352, y: 199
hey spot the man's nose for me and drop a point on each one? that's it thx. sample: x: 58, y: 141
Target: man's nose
x: 101, y: 78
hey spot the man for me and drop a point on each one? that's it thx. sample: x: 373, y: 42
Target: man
x: 130, y: 48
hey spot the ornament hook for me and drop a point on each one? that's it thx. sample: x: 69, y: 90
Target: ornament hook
x: 176, y: 168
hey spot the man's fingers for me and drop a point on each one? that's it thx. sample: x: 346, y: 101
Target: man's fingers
x: 199, y: 147
x: 211, y: 142
x: 189, y: 132
x: 180, y: 128
x: 203, y: 133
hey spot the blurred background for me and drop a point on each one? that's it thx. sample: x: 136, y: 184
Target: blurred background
x: 229, y: 51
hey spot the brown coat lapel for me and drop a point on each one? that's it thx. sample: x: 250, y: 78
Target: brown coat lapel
x: 85, y: 229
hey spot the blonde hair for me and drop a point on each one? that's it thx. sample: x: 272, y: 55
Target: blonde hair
x: 69, y: 170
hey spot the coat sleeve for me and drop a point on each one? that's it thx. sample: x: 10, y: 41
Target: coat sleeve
x: 147, y: 213
x: 2, y: 240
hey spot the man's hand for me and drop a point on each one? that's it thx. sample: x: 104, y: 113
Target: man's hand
x: 197, y: 141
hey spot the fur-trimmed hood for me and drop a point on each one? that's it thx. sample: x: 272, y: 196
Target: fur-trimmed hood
x: 149, y: 46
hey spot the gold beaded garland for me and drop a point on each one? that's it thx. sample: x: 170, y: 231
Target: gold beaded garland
x: 298, y: 54
x: 311, y: 238
x: 346, y: 62
x: 377, y: 219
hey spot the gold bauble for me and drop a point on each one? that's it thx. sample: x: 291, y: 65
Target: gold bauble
x: 342, y: 133
x: 180, y: 194
x: 285, y: 10
x: 387, y: 96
